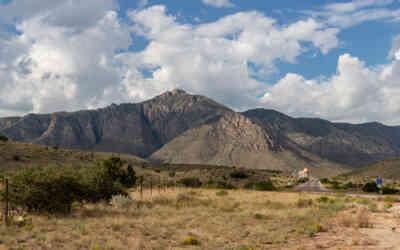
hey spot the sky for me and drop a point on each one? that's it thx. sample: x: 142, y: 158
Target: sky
x: 336, y: 60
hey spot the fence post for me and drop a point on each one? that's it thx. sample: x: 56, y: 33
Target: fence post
x: 141, y: 187
x: 159, y: 184
x: 6, y: 221
x: 151, y: 186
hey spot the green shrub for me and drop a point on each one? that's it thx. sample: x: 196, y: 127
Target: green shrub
x: 348, y: 185
x: 325, y: 181
x: 261, y: 185
x: 114, y: 167
x: 54, y: 188
x: 218, y: 185
x: 172, y: 174
x: 190, y: 182
x: 388, y: 190
x: 221, y: 193
x: 323, y: 199
x: 3, y: 138
x: 49, y: 189
x: 239, y: 175
x: 302, y: 180
x: 370, y: 187
x: 191, y: 241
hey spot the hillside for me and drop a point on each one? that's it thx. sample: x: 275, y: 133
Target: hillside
x: 138, y: 129
x: 176, y: 127
x: 388, y: 169
x: 15, y: 155
x: 235, y: 141
x: 353, y: 145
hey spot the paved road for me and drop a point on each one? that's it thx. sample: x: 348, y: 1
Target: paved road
x: 313, y: 185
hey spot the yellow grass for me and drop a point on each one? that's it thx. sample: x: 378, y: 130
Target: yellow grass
x: 187, y: 219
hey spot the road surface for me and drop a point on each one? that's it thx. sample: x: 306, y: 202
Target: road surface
x: 313, y: 185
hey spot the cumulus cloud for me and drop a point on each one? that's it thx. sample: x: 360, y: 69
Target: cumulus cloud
x: 63, y: 60
x: 213, y: 58
x: 356, y: 93
x: 219, y: 3
x: 54, y: 64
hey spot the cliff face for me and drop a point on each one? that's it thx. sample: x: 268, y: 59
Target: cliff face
x: 354, y: 145
x: 138, y: 129
x: 180, y: 128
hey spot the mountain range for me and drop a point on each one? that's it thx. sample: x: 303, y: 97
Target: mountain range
x: 177, y: 127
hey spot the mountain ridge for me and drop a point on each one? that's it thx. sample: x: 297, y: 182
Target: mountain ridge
x: 208, y: 132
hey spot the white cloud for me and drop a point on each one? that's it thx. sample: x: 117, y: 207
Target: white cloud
x: 63, y: 60
x: 356, y: 93
x: 355, y: 5
x: 58, y: 65
x: 71, y: 13
x: 355, y: 12
x: 212, y: 58
x: 395, y: 51
x: 219, y: 3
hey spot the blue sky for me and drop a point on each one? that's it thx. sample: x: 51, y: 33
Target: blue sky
x: 338, y: 60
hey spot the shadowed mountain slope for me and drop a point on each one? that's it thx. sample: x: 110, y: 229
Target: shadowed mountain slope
x: 354, y: 145
x: 177, y: 127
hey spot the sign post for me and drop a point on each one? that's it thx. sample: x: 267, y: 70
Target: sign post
x: 379, y: 184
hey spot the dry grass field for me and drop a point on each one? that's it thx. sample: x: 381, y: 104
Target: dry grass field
x: 215, y: 219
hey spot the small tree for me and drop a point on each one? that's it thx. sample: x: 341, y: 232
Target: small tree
x: 3, y: 138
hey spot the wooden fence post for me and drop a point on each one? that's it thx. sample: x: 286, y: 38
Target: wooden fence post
x: 141, y: 187
x: 6, y: 221
x: 151, y: 186
x: 159, y: 184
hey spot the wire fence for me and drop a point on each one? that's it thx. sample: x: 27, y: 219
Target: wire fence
x: 146, y: 188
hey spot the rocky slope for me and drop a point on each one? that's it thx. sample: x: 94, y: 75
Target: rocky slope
x: 180, y: 128
x: 234, y: 140
x: 353, y: 145
x: 138, y: 129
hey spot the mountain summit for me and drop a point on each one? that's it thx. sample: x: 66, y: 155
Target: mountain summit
x: 177, y: 127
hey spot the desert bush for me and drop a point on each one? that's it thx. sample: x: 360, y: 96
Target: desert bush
x: 348, y: 185
x: 302, y: 203
x: 218, y: 185
x: 389, y: 190
x: 238, y: 174
x: 390, y: 199
x: 121, y: 201
x: 302, y: 180
x: 221, y: 193
x: 261, y: 216
x: 370, y: 187
x: 54, y: 188
x: 191, y: 182
x: 191, y: 241
x: 325, y: 181
x: 171, y: 174
x: 323, y: 199
x: 3, y: 138
x: 114, y: 167
x: 261, y: 185
x: 49, y: 189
